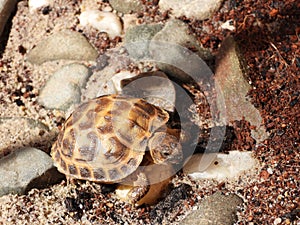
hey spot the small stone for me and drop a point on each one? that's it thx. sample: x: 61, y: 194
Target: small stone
x: 68, y: 95
x: 269, y: 170
x: 103, y: 21
x: 127, y: 6
x: 24, y: 169
x: 222, y: 166
x: 155, y: 87
x: 277, y: 221
x: 110, y: 205
x: 68, y: 80
x: 6, y: 8
x: 228, y: 25
x: 69, y: 45
x: 197, y: 9
x: 73, y: 73
x: 36, y: 4
x: 137, y: 39
x: 232, y: 90
x: 172, y: 54
x: 217, y: 209
x: 180, y: 36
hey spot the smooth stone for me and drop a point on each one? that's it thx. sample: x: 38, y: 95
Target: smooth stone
x: 25, y: 169
x: 155, y: 87
x: 178, y: 54
x: 107, y: 22
x: 67, y: 44
x: 68, y: 80
x: 233, y: 88
x: 180, y: 36
x: 18, y: 132
x: 222, y: 167
x: 127, y: 6
x: 137, y: 39
x: 73, y: 73
x: 228, y: 25
x: 68, y: 95
x: 197, y: 9
x: 217, y: 209
x: 6, y: 8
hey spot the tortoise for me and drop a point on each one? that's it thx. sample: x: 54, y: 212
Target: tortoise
x: 108, y: 138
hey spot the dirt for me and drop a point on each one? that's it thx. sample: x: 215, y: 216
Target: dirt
x: 267, y: 31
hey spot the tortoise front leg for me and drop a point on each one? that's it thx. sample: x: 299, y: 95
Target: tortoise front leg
x: 70, y: 180
x: 140, y: 188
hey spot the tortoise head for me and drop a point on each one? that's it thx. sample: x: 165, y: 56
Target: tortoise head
x: 165, y: 148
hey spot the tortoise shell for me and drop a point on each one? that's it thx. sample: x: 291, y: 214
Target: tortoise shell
x: 105, y: 139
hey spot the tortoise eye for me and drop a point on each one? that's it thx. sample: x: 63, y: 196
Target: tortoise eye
x: 173, y: 145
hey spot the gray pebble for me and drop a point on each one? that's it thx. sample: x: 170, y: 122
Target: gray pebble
x: 217, y: 209
x: 155, y: 87
x: 126, y: 6
x: 63, y: 89
x: 172, y: 54
x: 233, y: 87
x: 198, y: 9
x: 61, y: 96
x: 26, y: 168
x: 177, y: 32
x: 69, y: 45
x: 137, y: 39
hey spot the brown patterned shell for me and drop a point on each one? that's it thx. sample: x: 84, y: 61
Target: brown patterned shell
x: 105, y: 138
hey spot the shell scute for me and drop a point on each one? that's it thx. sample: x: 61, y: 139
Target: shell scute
x: 85, y: 172
x: 99, y: 174
x: 72, y: 169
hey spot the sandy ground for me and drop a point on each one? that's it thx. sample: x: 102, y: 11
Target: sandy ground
x: 267, y: 196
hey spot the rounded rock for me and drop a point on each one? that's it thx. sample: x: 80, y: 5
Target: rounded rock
x: 103, y: 21
x: 126, y: 6
x: 18, y: 172
x: 67, y: 44
x: 69, y: 80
